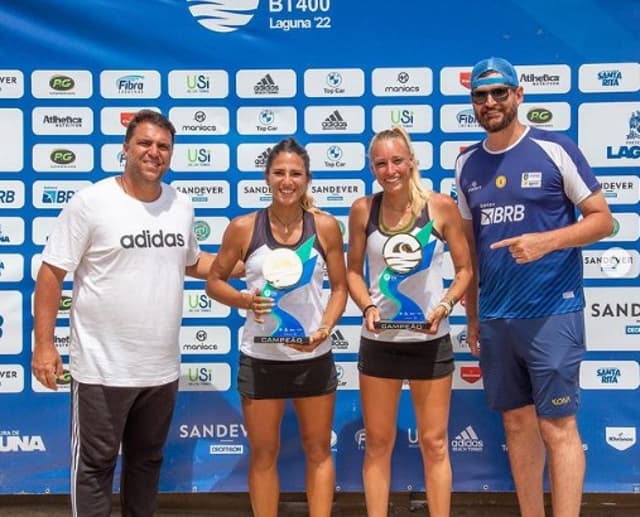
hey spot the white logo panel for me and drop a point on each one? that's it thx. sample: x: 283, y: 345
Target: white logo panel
x: 130, y: 84
x: 62, y: 121
x: 626, y: 228
x: 114, y: 121
x: 337, y: 156
x: 11, y: 231
x: 620, y: 190
x: 458, y: 118
x: 47, y: 84
x: 196, y: 304
x: 336, y: 193
x: 253, y: 157
x: 609, y: 133
x: 612, y: 318
x: 415, y: 118
x: 205, y: 194
x: 334, y: 120
x: 398, y: 82
x: 62, y: 157
x: 11, y: 322
x: 11, y: 139
x: 11, y: 267
x: 348, y: 377
x: 11, y: 84
x: 339, y: 82
x: 112, y: 158
x: 345, y: 339
x: 11, y: 378
x: 611, y: 263
x: 205, y: 340
x: 449, y: 152
x: 41, y: 228
x: 209, y: 230
x: 609, y: 77
x: 253, y: 194
x: 55, y: 194
x: 621, y: 438
x: 198, y: 84
x: 251, y: 84
x: 467, y: 376
x: 274, y: 120
x: 554, y: 116
x: 200, y: 158
x: 609, y: 375
x: 11, y: 194
x: 204, y: 377
x: 200, y: 120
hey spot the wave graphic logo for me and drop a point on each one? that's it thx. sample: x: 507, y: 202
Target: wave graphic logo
x: 223, y: 15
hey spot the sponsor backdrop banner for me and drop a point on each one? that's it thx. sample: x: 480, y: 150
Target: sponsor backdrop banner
x: 237, y: 76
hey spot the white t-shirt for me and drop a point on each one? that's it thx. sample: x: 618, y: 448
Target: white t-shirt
x: 129, y: 260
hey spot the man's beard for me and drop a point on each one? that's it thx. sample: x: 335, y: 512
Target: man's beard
x: 494, y: 125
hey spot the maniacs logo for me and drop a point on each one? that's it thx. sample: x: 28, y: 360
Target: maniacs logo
x: 223, y: 15
x: 632, y: 149
x: 12, y: 441
x: 145, y: 239
x: 501, y: 214
x: 621, y: 438
x: 610, y: 77
x: 467, y: 441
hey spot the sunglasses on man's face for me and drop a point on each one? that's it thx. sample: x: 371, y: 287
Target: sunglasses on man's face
x: 497, y: 94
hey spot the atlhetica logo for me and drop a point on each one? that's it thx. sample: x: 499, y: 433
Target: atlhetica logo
x: 266, y: 85
x: 146, y: 239
x: 223, y: 15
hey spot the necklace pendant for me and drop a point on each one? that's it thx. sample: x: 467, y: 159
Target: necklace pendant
x: 286, y: 230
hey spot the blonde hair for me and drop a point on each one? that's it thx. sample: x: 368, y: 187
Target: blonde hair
x: 290, y: 145
x: 417, y: 194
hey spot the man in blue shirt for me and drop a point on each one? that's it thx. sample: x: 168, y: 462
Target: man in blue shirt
x: 517, y: 192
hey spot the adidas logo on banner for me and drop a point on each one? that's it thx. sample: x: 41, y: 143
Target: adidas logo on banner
x: 261, y: 159
x: 338, y: 341
x: 266, y: 85
x: 334, y: 121
x: 467, y: 441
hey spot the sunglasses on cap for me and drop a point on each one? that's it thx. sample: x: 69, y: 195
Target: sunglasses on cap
x: 499, y: 94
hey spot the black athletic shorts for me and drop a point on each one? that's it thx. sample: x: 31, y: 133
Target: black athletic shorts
x: 406, y: 360
x: 264, y: 379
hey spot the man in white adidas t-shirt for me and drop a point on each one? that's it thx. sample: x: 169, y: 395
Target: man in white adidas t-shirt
x: 129, y: 241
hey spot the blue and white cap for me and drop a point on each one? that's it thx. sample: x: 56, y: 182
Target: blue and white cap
x: 499, y: 65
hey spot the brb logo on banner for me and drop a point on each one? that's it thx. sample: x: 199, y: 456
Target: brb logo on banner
x: 223, y: 15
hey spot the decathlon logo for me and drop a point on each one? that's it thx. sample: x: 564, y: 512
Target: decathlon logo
x: 223, y: 15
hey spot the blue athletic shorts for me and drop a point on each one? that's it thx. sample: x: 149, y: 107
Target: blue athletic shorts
x: 533, y: 361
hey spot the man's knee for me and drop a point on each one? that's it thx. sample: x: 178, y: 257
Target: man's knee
x: 559, y: 431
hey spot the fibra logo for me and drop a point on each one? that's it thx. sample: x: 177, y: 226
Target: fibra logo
x: 466, y: 118
x: 122, y: 158
x: 202, y: 231
x: 10, y: 442
x: 334, y: 79
x: 62, y: 156
x: 223, y: 15
x: 539, y: 115
x: 632, y: 149
x: 610, y: 77
x: 61, y: 83
x: 360, y: 438
x: 621, y: 438
x: 130, y: 84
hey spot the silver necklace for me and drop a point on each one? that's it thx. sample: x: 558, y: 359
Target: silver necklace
x: 286, y: 225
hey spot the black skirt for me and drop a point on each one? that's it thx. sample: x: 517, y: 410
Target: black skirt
x: 265, y: 379
x: 420, y: 360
